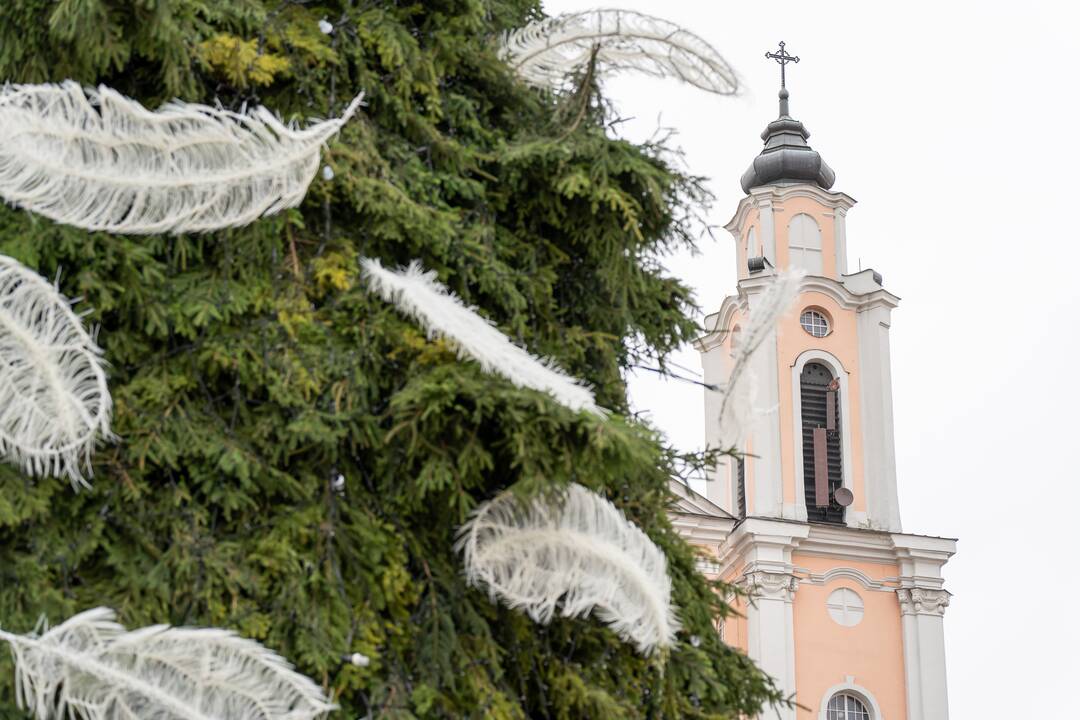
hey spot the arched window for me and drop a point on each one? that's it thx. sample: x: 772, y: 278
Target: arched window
x: 804, y: 244
x: 844, y: 706
x: 823, y: 471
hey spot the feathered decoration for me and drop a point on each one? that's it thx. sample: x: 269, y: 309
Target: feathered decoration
x: 737, y: 408
x: 420, y: 295
x: 54, y: 400
x: 91, y: 668
x: 97, y: 160
x: 545, y: 52
x: 574, y: 557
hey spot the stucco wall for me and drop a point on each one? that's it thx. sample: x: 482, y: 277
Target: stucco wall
x: 827, y: 653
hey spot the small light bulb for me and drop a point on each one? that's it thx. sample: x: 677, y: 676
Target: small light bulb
x: 339, y: 482
x: 695, y: 640
x: 359, y: 660
x: 327, y: 172
x: 325, y: 27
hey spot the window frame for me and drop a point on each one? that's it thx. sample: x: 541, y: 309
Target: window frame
x: 825, y: 318
x: 832, y: 513
x: 852, y: 517
x: 861, y: 712
x: 799, y: 252
x: 860, y: 693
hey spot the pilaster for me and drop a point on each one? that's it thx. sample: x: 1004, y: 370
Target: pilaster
x: 769, y: 579
x: 771, y: 628
x: 923, y: 599
x: 876, y: 403
x: 840, y: 240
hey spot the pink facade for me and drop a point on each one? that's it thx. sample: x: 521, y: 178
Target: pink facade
x: 846, y: 610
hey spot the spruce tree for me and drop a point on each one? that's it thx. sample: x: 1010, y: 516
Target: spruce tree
x: 294, y: 456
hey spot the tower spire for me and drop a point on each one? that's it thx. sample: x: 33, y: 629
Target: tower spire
x: 783, y: 58
x: 786, y: 158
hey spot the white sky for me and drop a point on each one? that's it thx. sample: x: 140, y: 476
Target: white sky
x: 953, y: 125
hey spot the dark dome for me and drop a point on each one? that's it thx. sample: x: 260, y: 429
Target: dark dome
x: 787, y: 159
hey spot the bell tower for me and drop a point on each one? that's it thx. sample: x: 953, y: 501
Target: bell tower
x: 845, y: 610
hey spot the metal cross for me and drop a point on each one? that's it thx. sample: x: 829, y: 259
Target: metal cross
x: 783, y: 58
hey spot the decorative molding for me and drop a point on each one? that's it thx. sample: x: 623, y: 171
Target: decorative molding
x: 836, y: 290
x: 847, y: 573
x: 762, y: 584
x: 923, y: 601
x: 766, y: 195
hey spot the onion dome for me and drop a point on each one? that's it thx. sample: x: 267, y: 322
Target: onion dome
x: 787, y: 159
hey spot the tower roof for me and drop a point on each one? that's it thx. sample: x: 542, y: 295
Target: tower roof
x: 786, y: 158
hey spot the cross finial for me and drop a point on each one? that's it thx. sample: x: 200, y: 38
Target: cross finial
x: 783, y: 58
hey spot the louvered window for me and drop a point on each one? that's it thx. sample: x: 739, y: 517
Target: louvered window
x: 823, y: 472
x: 740, y: 487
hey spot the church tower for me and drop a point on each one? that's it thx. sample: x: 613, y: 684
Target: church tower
x: 845, y: 610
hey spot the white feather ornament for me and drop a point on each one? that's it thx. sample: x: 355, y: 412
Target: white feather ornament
x: 54, y: 400
x: 737, y: 411
x: 91, y: 668
x: 574, y: 557
x: 545, y: 52
x: 97, y: 160
x: 420, y: 295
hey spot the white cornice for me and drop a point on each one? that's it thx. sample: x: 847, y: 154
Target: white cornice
x: 698, y: 519
x: 694, y: 503
x: 836, y: 290
x: 766, y: 195
x: 848, y: 543
x: 920, y: 557
x: 756, y: 534
x: 845, y: 298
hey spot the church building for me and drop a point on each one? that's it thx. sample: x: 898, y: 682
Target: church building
x: 845, y: 610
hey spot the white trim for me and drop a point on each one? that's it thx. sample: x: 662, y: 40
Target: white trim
x: 849, y: 687
x: 840, y: 240
x: 766, y: 195
x: 768, y: 471
x: 876, y: 411
x: 846, y: 573
x: 768, y: 230
x: 837, y: 290
x: 851, y: 518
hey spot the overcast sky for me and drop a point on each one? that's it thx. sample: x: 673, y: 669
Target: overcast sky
x: 953, y: 126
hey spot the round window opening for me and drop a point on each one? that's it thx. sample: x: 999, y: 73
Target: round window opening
x: 845, y: 607
x: 815, y: 323
x: 846, y: 707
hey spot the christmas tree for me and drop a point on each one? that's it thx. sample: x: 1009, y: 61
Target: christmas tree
x: 294, y: 456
